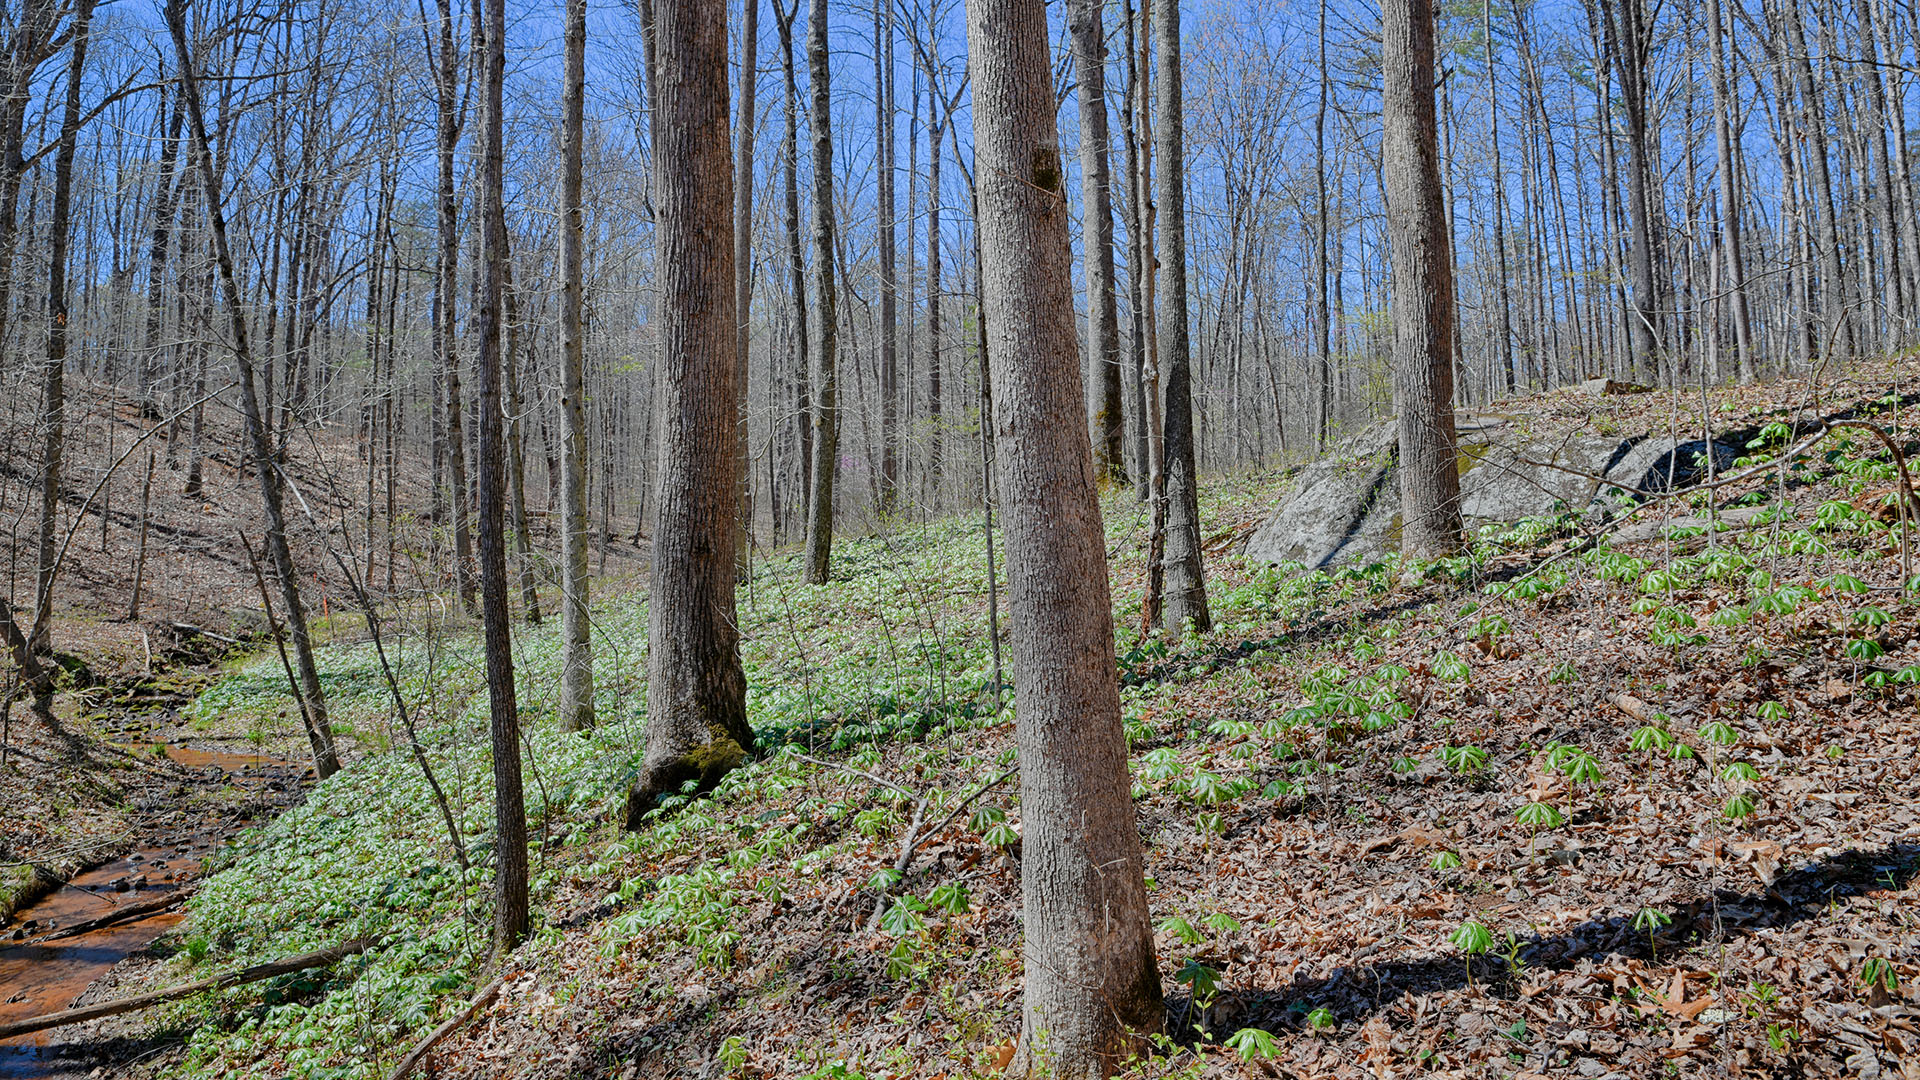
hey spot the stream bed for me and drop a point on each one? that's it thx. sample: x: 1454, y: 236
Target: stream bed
x: 39, y: 976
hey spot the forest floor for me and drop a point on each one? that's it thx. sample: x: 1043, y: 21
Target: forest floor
x: 1558, y: 807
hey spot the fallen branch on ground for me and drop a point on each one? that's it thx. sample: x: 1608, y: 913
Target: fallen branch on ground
x: 131, y: 911
x: 487, y: 993
x: 246, y: 975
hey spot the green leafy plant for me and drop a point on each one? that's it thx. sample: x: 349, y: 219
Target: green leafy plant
x: 1472, y: 938
x: 1649, y: 921
x: 1252, y: 1044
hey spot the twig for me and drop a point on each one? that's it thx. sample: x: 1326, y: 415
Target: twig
x: 882, y: 781
x: 916, y: 838
x: 455, y: 1022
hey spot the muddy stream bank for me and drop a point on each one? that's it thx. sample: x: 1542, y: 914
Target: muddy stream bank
x: 40, y: 975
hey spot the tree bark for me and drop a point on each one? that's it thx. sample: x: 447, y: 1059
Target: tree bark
x: 509, y: 801
x: 883, y: 34
x: 1089, y: 38
x: 1422, y: 283
x: 696, y: 690
x: 53, y: 382
x: 576, y: 628
x: 1092, y: 983
x: 1186, y: 583
x: 826, y: 377
x: 743, y: 263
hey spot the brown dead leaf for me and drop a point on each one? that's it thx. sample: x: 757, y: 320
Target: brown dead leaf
x: 1002, y: 1057
x: 1763, y: 855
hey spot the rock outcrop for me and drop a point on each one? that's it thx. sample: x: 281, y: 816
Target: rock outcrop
x: 1347, y: 505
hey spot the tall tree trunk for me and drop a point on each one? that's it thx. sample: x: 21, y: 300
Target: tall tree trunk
x: 165, y: 200
x: 940, y: 114
x: 509, y: 801
x: 826, y: 403
x: 576, y: 628
x: 516, y: 441
x: 53, y: 382
x: 1186, y: 581
x: 1322, y: 355
x: 743, y: 262
x: 326, y: 760
x: 1836, y: 314
x: 1137, y: 255
x: 1730, y: 242
x: 696, y: 691
x: 1092, y: 984
x: 1096, y: 179
x: 883, y: 41
x: 796, y: 260
x: 446, y: 354
x: 1629, y: 42
x: 1422, y: 283
x: 1505, y: 324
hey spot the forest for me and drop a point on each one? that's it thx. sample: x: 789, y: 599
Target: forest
x: 959, y: 538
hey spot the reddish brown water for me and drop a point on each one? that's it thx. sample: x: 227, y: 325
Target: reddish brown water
x: 42, y: 978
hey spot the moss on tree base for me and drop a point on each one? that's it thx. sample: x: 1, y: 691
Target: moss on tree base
x: 705, y: 764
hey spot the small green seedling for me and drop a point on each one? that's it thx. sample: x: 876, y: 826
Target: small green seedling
x: 1253, y: 1044
x: 1473, y: 939
x: 1649, y: 921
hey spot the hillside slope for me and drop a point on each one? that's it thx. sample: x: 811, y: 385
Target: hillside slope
x: 1563, y: 806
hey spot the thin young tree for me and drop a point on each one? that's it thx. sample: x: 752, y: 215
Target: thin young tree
x: 1092, y: 982
x: 1186, y: 581
x: 826, y: 375
x: 1089, y: 37
x: 1422, y: 283
x: 509, y: 800
x: 326, y: 760
x: 576, y: 629
x: 696, y: 690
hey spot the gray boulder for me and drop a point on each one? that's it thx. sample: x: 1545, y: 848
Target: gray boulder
x: 1347, y: 505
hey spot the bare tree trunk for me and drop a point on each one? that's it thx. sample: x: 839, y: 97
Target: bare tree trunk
x: 883, y: 38
x: 743, y: 263
x: 696, y: 691
x: 516, y: 441
x: 1505, y: 324
x: 826, y: 403
x: 1422, y: 283
x: 796, y: 258
x: 1729, y: 197
x: 1322, y: 354
x: 326, y: 760
x: 1092, y: 984
x: 53, y: 383
x: 1137, y: 255
x: 509, y: 802
x: 576, y: 628
x: 1186, y: 581
x: 446, y: 354
x: 1103, y: 316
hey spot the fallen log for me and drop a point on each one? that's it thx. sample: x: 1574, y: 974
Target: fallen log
x: 454, y: 1023
x: 257, y: 972
x: 118, y: 915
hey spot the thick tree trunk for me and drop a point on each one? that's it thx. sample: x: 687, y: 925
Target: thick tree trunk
x: 576, y: 628
x: 1096, y: 178
x: 1092, y: 984
x: 826, y: 376
x: 1422, y: 283
x: 696, y: 690
x: 1186, y: 582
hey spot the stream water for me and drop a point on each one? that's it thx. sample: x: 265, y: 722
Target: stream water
x: 46, y: 977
